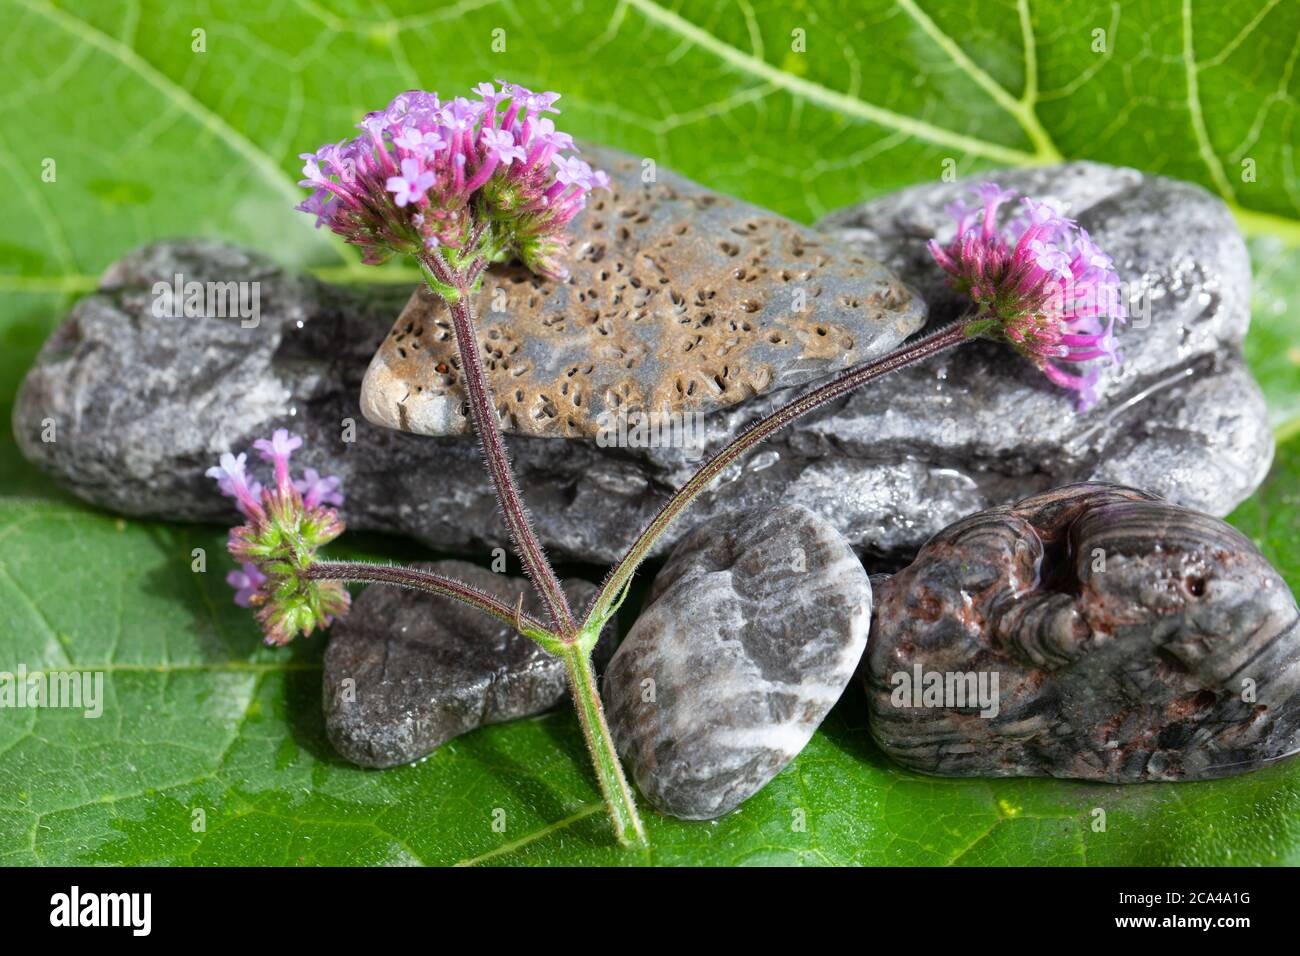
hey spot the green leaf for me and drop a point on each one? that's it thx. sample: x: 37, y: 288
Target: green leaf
x: 150, y: 139
x: 1273, y: 345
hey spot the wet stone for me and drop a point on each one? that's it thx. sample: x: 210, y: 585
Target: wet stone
x: 752, y: 631
x: 1095, y: 632
x: 406, y: 671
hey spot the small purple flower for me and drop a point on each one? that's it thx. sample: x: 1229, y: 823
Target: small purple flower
x: 408, y: 104
x: 545, y: 135
x: 411, y: 186
x: 233, y: 482
x: 488, y: 93
x: 461, y: 114
x: 279, y: 447
x: 535, y: 103
x: 316, y: 490
x: 572, y: 171
x: 501, y: 146
x: 991, y: 195
x: 321, y: 205
x: 311, y: 174
x: 246, y: 582
x: 1044, y: 215
x: 375, y: 124
x: 1094, y: 260
x: 1040, y: 284
x: 278, y: 450
x: 422, y: 143
x: 962, y: 213
x: 1050, y: 258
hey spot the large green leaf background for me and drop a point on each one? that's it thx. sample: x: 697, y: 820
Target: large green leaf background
x: 152, y: 139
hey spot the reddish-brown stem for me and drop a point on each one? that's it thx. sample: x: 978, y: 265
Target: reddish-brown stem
x: 365, y: 572
x: 484, y: 414
x: 565, y: 640
x: 844, y: 383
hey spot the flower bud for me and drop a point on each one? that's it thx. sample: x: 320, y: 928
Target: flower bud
x: 286, y: 522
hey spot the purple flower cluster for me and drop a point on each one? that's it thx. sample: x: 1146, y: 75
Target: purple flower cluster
x: 284, y: 525
x: 488, y: 173
x: 1040, y: 284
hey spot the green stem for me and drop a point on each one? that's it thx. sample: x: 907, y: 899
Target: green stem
x: 846, y: 382
x: 609, y: 772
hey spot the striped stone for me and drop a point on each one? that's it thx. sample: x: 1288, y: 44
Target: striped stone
x: 753, y: 629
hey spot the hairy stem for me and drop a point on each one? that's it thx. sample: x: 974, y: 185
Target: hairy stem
x: 609, y: 772
x: 484, y: 414
x: 842, y: 384
x: 365, y: 572
x: 565, y: 639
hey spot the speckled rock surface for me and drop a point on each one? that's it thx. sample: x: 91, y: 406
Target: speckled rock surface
x: 888, y: 467
x: 1104, y: 634
x: 679, y: 300
x: 753, y: 629
x: 405, y: 672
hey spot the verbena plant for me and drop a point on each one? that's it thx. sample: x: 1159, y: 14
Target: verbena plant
x: 463, y: 184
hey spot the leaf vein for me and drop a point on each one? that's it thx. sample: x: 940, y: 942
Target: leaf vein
x: 824, y: 96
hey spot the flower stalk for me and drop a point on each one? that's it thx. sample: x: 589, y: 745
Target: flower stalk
x: 621, y: 576
x: 572, y: 645
x: 418, y: 579
x: 595, y: 731
x: 486, y: 424
x: 458, y: 185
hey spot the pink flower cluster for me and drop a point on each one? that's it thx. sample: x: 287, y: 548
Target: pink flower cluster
x: 488, y: 172
x: 1040, y: 283
x: 284, y: 525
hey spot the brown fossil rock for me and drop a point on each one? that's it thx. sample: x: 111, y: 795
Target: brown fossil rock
x: 680, y: 300
x: 1094, y: 632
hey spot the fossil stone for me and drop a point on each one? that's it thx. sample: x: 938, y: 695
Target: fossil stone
x: 752, y: 631
x: 1094, y: 632
x: 406, y: 671
x: 888, y: 466
x: 679, y: 300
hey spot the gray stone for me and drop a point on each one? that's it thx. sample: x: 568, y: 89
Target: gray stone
x: 424, y: 670
x: 143, y: 405
x: 752, y: 631
x: 679, y: 300
x: 1181, y: 417
x: 1107, y: 635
